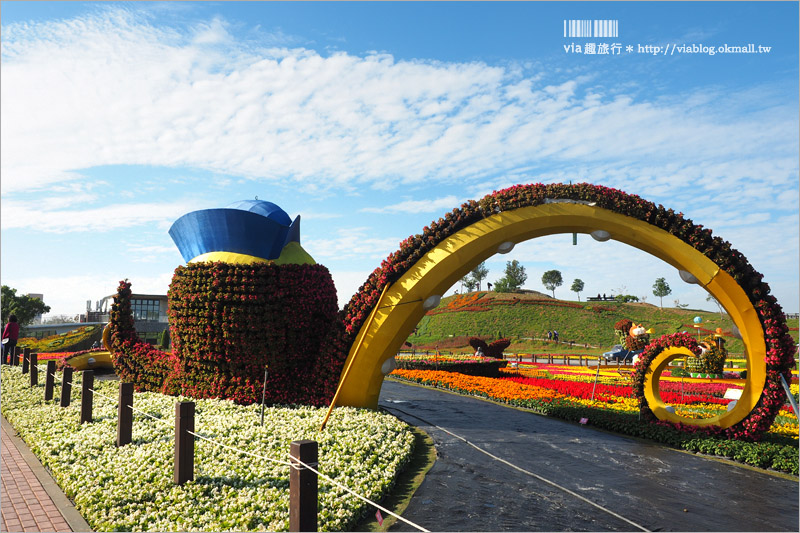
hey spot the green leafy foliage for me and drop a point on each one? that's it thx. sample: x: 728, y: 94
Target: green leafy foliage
x: 552, y: 280
x: 513, y: 279
x: 660, y: 289
x: 485, y: 368
x: 577, y: 287
x: 24, y: 307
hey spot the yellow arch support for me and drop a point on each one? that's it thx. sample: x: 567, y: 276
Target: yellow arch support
x: 457, y: 255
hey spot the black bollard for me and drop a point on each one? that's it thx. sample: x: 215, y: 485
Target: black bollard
x: 33, y: 360
x: 125, y: 414
x: 49, y: 381
x: 184, y: 442
x: 66, y: 386
x: 87, y: 396
x: 303, y: 486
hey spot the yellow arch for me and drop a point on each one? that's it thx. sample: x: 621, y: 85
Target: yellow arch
x: 400, y: 308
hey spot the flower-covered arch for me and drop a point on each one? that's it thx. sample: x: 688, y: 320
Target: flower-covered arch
x: 386, y: 308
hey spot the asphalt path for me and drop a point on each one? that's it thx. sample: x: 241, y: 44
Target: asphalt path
x: 552, y: 475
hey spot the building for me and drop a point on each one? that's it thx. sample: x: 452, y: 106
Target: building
x: 149, y: 314
x: 38, y: 318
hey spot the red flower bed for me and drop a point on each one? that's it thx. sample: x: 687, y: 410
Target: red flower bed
x: 583, y: 390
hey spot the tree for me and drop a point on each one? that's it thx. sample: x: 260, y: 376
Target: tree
x: 163, y: 339
x: 468, y: 282
x: 514, y: 278
x: 577, y: 286
x: 661, y: 289
x: 479, y: 273
x: 552, y: 279
x: 24, y: 307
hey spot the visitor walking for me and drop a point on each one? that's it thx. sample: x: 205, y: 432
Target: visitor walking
x: 555, y: 336
x: 549, y: 335
x: 10, y: 336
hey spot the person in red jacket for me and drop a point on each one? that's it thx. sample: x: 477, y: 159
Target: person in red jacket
x: 10, y: 336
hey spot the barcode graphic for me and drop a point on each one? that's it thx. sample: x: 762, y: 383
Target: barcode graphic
x: 591, y: 28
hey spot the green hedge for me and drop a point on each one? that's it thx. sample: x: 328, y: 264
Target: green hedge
x: 489, y: 369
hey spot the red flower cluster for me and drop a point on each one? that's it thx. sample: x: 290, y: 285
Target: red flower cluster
x: 780, y: 346
x: 230, y: 322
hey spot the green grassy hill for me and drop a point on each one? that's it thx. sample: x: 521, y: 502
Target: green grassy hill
x: 526, y: 318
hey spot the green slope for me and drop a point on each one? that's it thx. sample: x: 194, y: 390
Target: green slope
x: 521, y: 317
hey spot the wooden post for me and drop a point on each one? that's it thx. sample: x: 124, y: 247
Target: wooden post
x: 87, y: 396
x: 26, y: 355
x: 49, y: 380
x: 33, y: 359
x: 15, y: 356
x: 125, y: 414
x: 303, y: 486
x: 66, y: 386
x: 184, y: 442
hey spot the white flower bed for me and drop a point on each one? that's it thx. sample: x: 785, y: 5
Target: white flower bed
x: 131, y: 488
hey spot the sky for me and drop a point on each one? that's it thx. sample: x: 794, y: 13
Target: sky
x: 370, y: 120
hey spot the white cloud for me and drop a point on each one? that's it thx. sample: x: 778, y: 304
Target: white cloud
x: 35, y: 216
x: 348, y: 243
x: 113, y: 89
x: 418, y: 206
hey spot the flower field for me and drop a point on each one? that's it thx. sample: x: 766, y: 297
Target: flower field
x: 567, y: 391
x: 131, y: 488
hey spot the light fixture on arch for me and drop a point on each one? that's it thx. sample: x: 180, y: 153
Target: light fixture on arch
x: 600, y: 235
x: 505, y: 247
x: 431, y: 302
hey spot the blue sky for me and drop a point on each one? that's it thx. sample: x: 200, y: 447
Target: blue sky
x: 372, y: 119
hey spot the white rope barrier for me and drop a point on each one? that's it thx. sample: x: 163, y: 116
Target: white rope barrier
x: 232, y: 448
x: 269, y: 459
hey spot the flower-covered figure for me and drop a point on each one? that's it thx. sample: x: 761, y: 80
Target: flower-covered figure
x: 250, y: 298
x: 711, y: 361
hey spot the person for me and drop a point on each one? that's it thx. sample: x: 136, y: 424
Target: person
x: 10, y: 336
x: 479, y: 352
x: 555, y: 336
x: 549, y: 335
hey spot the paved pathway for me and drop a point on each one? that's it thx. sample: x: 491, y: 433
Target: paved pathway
x: 604, y: 482
x: 31, y: 500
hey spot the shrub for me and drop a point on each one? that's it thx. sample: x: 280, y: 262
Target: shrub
x: 488, y: 368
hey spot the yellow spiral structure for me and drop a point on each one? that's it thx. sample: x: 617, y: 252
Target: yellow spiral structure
x: 401, y: 307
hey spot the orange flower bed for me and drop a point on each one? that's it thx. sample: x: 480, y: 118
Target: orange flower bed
x: 496, y: 389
